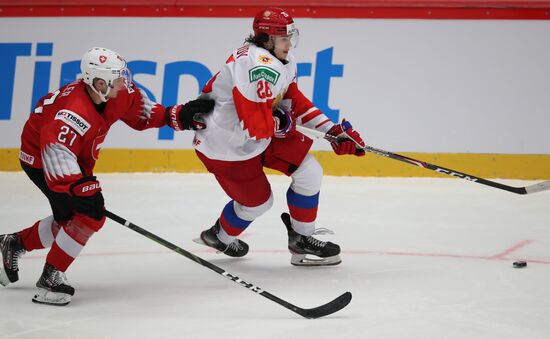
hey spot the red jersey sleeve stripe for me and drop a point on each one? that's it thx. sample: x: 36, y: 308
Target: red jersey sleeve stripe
x: 322, y: 123
x: 308, y: 117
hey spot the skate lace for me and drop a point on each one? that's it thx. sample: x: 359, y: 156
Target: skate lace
x: 235, y: 246
x: 15, y: 259
x: 58, y: 278
x: 317, y: 242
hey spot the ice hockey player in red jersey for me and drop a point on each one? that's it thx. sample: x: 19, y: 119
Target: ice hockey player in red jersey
x: 60, y: 144
x: 252, y: 126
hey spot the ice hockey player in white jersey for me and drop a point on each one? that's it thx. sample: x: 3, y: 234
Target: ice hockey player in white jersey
x: 252, y: 126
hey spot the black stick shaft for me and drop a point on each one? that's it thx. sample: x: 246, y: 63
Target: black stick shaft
x: 541, y: 186
x: 439, y: 169
x: 317, y: 312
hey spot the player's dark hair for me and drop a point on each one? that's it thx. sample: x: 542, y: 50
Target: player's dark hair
x: 258, y: 40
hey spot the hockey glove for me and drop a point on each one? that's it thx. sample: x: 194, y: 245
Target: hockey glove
x: 182, y: 117
x: 87, y: 197
x: 345, y: 140
x: 283, y: 122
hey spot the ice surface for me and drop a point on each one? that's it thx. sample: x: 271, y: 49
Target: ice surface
x: 424, y: 258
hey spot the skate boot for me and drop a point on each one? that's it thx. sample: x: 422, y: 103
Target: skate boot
x: 324, y: 253
x: 12, y: 249
x: 53, y: 288
x: 237, y: 248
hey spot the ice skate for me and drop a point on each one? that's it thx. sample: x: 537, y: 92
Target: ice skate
x: 209, y: 237
x: 12, y: 250
x: 53, y: 288
x: 308, y: 251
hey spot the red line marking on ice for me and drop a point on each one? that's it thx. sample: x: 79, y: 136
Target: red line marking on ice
x: 444, y: 255
x: 498, y: 257
x: 513, y: 249
x: 413, y: 254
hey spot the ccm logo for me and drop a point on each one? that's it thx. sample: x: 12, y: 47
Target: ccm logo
x: 454, y: 174
x: 91, y: 187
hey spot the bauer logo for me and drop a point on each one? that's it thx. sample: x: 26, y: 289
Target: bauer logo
x: 91, y: 187
x: 263, y: 72
x: 74, y: 120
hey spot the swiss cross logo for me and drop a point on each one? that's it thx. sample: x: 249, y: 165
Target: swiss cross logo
x: 102, y: 58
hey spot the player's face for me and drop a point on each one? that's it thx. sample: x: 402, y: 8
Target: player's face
x: 116, y: 86
x: 123, y: 81
x: 282, y: 45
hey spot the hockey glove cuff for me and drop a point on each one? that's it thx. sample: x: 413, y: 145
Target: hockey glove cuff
x: 87, y: 197
x: 182, y: 117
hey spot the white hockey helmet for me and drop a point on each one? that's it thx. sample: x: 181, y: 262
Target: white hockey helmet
x: 102, y: 63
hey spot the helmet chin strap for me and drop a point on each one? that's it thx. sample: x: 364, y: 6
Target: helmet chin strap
x: 102, y: 96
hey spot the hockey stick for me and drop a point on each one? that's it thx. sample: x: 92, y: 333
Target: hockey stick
x: 538, y: 187
x: 310, y: 313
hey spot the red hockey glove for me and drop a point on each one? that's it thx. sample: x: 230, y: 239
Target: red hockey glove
x: 87, y: 197
x: 182, y: 117
x: 349, y: 141
x: 283, y: 123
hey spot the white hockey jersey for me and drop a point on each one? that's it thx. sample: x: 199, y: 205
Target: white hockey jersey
x: 250, y: 84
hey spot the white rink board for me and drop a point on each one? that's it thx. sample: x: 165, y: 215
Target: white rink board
x: 424, y: 258
x: 450, y: 86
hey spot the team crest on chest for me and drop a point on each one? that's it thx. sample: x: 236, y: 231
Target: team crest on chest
x: 264, y: 72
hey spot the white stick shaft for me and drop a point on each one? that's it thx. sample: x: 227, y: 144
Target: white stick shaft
x: 310, y: 132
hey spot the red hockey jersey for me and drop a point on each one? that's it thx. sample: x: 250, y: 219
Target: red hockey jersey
x: 64, y: 133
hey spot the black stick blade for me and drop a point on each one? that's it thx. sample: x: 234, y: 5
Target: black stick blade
x: 326, y: 309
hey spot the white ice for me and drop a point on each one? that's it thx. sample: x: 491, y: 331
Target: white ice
x: 424, y: 258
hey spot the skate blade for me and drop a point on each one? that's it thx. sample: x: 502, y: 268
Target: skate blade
x: 51, y: 298
x: 304, y: 260
x: 200, y: 242
x: 4, y: 280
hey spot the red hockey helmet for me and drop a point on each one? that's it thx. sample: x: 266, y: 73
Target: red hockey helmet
x: 274, y: 21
